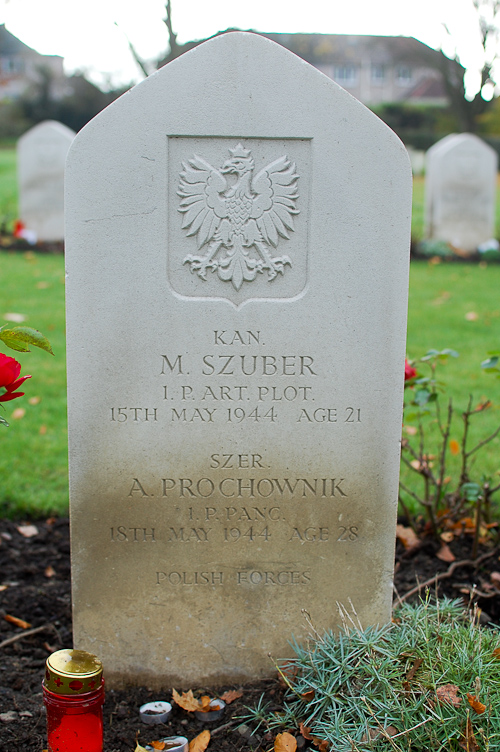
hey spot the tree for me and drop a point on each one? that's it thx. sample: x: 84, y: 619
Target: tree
x: 468, y: 109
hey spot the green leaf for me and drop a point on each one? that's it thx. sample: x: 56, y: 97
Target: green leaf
x: 471, y: 491
x: 422, y: 397
x: 20, y: 337
x: 491, y: 364
x: 447, y: 351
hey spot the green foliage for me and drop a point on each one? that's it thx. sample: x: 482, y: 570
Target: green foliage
x: 385, y: 688
x: 440, y: 499
x: 21, y: 337
x: 33, y: 460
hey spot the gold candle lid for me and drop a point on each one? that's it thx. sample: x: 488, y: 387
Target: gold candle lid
x: 72, y: 672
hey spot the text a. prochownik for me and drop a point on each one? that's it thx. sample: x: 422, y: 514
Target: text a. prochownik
x: 240, y: 487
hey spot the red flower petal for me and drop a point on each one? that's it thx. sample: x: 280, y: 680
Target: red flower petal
x: 10, y: 396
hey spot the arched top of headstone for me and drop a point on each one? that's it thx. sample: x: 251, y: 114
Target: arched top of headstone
x: 49, y: 128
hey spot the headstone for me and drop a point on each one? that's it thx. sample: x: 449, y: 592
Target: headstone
x: 237, y: 266
x: 460, y: 188
x: 41, y: 156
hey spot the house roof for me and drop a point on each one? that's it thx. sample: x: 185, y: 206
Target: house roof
x: 327, y: 48
x: 11, y: 45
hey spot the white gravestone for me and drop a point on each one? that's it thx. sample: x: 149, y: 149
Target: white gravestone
x: 460, y: 191
x: 237, y: 265
x: 41, y: 156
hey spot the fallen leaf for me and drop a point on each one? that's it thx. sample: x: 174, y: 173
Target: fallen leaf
x: 42, y: 285
x: 204, y: 705
x: 158, y: 745
x: 305, y: 731
x: 27, y: 531
x: 322, y: 744
x: 475, y: 704
x: 18, y: 318
x: 471, y: 316
x: 411, y: 430
x: 447, y: 537
x: 285, y: 742
x: 308, y: 696
x: 187, y: 701
x: 231, y: 695
x: 445, y: 553
x: 496, y: 653
x: 448, y: 693
x: 43, y: 430
x: 138, y: 748
x: 411, y: 673
x: 468, y: 741
x: 34, y: 400
x: 376, y: 733
x: 49, y: 571
x: 454, y: 447
x: 18, y: 413
x: 200, y: 742
x: 407, y: 536
x: 18, y: 622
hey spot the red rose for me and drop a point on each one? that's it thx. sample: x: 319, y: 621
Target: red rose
x: 410, y: 372
x: 9, y: 378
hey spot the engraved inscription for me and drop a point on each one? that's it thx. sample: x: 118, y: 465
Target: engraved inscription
x: 231, y: 212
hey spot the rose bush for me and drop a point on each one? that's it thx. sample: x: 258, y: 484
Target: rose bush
x: 18, y: 338
x: 10, y: 369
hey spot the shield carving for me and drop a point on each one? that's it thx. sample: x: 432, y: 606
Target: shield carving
x: 238, y: 218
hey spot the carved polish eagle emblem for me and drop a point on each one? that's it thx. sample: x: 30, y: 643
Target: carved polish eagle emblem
x: 238, y: 218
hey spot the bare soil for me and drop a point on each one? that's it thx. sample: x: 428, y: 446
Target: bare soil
x: 36, y: 573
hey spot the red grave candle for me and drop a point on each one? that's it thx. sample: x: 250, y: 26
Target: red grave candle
x: 73, y: 693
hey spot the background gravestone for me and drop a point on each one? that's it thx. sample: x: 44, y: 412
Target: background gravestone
x: 460, y: 189
x: 237, y: 266
x: 41, y: 156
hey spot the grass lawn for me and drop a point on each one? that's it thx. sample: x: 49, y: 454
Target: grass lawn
x: 33, y: 463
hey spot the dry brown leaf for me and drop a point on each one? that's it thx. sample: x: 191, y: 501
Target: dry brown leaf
x: 186, y: 701
x: 18, y: 413
x: 448, y: 693
x: 411, y: 673
x: 49, y: 571
x: 287, y: 671
x: 308, y: 696
x: 305, y: 731
x: 200, y: 742
x: 204, y: 705
x: 447, y: 537
x: 468, y: 741
x: 475, y: 704
x: 27, y: 531
x: 138, y: 748
x: 322, y: 744
x: 285, y: 742
x: 407, y: 536
x: 158, y: 745
x: 43, y: 430
x: 34, y: 400
x: 445, y: 553
x: 18, y: 622
x: 471, y: 316
x: 496, y: 653
x: 454, y: 446
x: 410, y: 430
x: 231, y: 695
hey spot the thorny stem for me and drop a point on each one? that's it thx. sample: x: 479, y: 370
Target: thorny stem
x: 442, y: 459
x: 466, y: 418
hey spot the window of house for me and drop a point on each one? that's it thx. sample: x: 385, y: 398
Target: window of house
x: 378, y: 73
x: 346, y: 75
x: 403, y: 74
x: 11, y: 65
